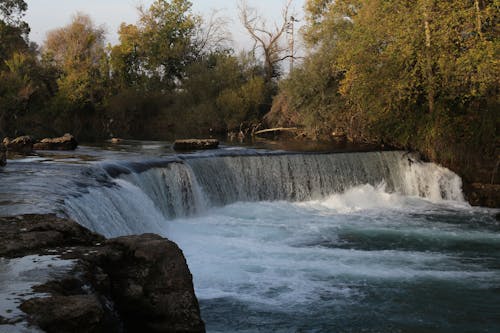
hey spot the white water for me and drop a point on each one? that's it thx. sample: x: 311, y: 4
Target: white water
x: 314, y: 242
x: 141, y: 201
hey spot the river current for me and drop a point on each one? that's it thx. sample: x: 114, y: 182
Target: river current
x: 281, y: 241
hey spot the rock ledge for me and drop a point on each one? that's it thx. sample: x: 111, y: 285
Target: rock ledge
x: 125, y: 284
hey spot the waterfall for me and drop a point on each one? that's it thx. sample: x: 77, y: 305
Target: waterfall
x: 139, y: 197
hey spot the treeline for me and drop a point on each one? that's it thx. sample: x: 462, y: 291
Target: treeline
x: 418, y: 74
x: 171, y: 73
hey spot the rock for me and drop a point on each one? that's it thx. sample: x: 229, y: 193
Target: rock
x: 78, y: 313
x: 152, y: 286
x: 116, y: 140
x: 480, y: 194
x: 28, y: 234
x: 132, y: 283
x: 65, y: 142
x: 21, y: 144
x: 194, y: 144
x: 3, y: 155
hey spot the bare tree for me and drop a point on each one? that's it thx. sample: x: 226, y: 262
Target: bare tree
x: 267, y: 39
x: 213, y: 34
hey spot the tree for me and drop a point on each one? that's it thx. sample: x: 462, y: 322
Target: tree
x: 126, y: 58
x: 268, y: 40
x: 77, y: 51
x: 419, y: 74
x: 167, y: 29
x: 13, y: 31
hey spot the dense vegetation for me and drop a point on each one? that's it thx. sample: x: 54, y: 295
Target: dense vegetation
x: 419, y: 74
x: 171, y: 73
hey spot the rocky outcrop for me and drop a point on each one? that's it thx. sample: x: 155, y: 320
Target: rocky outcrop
x: 30, y: 234
x: 21, y: 144
x: 3, y: 155
x: 65, y: 142
x: 132, y: 283
x: 152, y: 286
x: 196, y: 144
x: 486, y: 195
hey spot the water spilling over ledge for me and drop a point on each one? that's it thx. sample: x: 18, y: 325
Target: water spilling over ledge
x: 140, y: 195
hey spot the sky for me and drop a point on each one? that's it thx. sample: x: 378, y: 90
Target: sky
x: 45, y: 15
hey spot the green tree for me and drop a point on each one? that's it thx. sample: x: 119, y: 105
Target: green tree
x: 167, y: 30
x: 421, y: 74
x: 77, y: 50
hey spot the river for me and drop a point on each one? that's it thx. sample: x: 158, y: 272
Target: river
x: 288, y: 241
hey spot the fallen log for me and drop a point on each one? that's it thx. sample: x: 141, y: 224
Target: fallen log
x: 277, y: 129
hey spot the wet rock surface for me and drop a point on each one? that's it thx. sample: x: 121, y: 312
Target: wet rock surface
x: 65, y: 142
x: 126, y: 284
x: 21, y: 144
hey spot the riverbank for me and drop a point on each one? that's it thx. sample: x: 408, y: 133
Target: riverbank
x: 128, y: 283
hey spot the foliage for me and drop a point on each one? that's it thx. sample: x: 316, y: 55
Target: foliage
x: 421, y: 74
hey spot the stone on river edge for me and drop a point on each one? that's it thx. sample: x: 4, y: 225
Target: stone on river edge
x: 130, y: 283
x: 65, y: 142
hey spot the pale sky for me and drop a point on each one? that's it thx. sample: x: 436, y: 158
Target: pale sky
x: 45, y: 15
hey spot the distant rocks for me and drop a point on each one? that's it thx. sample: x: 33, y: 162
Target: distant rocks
x: 21, y: 144
x: 125, y: 284
x: 196, y: 144
x: 65, y: 142
x: 25, y: 145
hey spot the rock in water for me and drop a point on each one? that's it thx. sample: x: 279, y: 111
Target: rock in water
x: 3, y: 155
x: 21, y: 144
x: 152, y: 286
x: 65, y: 142
x: 195, y: 144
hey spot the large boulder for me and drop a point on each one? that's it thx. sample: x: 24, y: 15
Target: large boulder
x: 152, y: 286
x: 21, y: 144
x: 65, y: 142
x: 3, y: 155
x: 195, y: 144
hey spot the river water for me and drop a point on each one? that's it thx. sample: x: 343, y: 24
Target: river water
x: 281, y: 241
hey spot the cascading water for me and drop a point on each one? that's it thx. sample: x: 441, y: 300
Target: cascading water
x: 142, y: 193
x: 291, y: 242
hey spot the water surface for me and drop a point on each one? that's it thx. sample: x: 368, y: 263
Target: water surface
x: 282, y: 241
